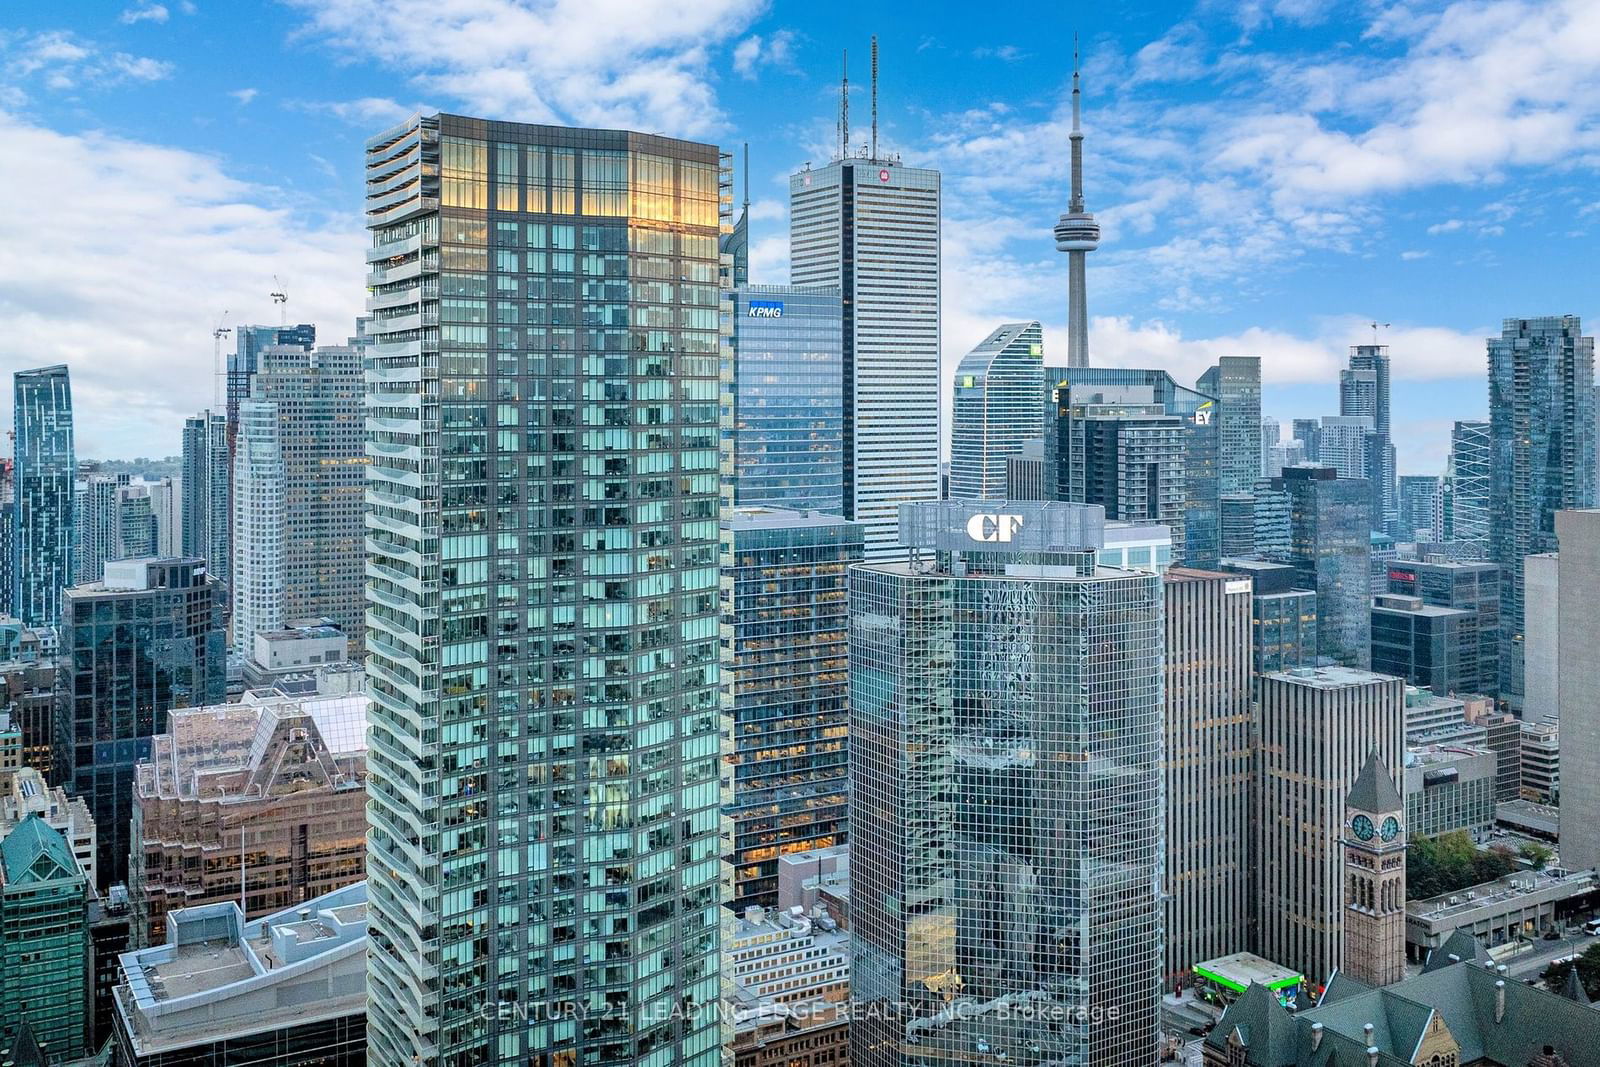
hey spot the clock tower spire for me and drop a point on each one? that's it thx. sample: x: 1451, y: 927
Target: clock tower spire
x: 1374, y: 878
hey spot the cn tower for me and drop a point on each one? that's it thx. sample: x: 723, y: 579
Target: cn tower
x: 1076, y: 234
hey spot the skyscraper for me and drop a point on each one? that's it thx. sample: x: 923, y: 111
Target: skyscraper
x: 1077, y: 234
x: 45, y: 545
x: 145, y: 640
x: 783, y: 400
x: 1421, y: 507
x: 207, y: 533
x: 166, y: 503
x: 1235, y: 381
x: 299, y: 479
x: 1271, y: 433
x: 1364, y: 391
x: 95, y: 502
x: 1308, y: 432
x: 1317, y: 728
x: 1472, y: 587
x: 248, y: 344
x: 44, y: 940
x: 1006, y: 833
x: 1466, y: 490
x: 786, y: 713
x: 1331, y: 548
x: 1578, y: 688
x: 1208, y: 765
x: 870, y: 227
x: 996, y: 410
x: 542, y: 595
x: 1343, y: 444
x: 1542, y: 436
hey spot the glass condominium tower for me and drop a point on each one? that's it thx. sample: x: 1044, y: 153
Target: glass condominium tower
x: 44, y: 546
x: 996, y: 409
x: 1006, y: 847
x: 542, y: 596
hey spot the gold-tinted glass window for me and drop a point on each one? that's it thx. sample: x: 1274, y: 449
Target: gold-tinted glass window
x: 563, y: 181
x: 652, y: 188
x: 698, y: 182
x: 505, y: 177
x: 534, y: 174
x: 463, y: 167
x: 605, y: 183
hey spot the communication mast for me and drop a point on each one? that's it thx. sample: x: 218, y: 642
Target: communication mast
x: 218, y: 332
x: 874, y: 98
x: 844, y: 106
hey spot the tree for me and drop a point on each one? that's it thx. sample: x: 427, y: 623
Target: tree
x: 1451, y: 862
x: 1588, y: 964
x: 1536, y: 854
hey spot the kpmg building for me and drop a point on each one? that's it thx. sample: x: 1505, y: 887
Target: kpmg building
x: 1007, y: 833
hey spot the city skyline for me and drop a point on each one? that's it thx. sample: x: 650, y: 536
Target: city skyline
x: 1321, y: 229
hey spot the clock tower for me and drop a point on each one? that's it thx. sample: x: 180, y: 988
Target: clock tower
x: 1374, y: 878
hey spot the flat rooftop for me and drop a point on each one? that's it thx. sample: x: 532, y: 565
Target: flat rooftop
x: 758, y: 518
x: 1328, y: 677
x: 1243, y: 968
x: 1502, y: 891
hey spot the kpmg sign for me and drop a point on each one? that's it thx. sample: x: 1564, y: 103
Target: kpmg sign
x: 1019, y: 526
x: 765, y: 309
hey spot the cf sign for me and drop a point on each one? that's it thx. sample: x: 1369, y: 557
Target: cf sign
x: 993, y: 527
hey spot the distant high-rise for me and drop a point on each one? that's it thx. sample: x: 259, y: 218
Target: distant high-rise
x: 998, y: 388
x: 1364, y: 391
x: 783, y: 400
x: 1421, y: 507
x: 145, y: 640
x: 1308, y: 432
x: 1343, y: 444
x: 1465, y: 503
x: 207, y: 532
x: 1317, y: 727
x: 785, y: 710
x: 249, y: 343
x: 95, y: 503
x: 1236, y: 383
x: 299, y: 480
x: 44, y: 550
x: 542, y: 642
x: 1426, y: 644
x: 1331, y: 548
x: 1578, y: 689
x: 1006, y: 817
x: 1271, y: 433
x: 870, y: 228
x: 166, y: 503
x: 1077, y: 234
x: 1471, y: 587
x: 1542, y: 433
x: 1207, y: 755
x: 1283, y: 617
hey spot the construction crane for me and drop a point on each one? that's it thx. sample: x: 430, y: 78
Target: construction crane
x: 218, y: 332
x: 281, y: 298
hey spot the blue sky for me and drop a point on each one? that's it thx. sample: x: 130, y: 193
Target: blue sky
x: 1270, y: 175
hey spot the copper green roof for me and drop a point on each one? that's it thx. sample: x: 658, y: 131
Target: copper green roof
x: 34, y: 852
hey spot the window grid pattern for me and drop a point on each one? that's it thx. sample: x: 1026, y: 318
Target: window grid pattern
x: 999, y: 389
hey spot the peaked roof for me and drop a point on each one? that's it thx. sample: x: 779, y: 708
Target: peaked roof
x: 34, y: 852
x: 1460, y: 944
x: 1573, y: 990
x: 1264, y: 1026
x: 1374, y: 789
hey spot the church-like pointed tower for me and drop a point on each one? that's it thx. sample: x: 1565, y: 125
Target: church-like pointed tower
x: 1077, y: 234
x: 1374, y: 878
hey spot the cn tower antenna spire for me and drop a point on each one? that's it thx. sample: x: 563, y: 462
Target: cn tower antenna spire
x: 1077, y: 233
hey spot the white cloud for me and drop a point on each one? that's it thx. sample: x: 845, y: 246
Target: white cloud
x: 244, y: 96
x: 145, y: 13
x: 368, y: 111
x: 1447, y: 226
x: 206, y: 242
x: 636, y: 63
x: 63, y: 62
x: 1412, y: 253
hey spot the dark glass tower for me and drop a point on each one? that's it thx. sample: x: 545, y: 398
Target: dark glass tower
x: 1330, y: 547
x: 44, y: 549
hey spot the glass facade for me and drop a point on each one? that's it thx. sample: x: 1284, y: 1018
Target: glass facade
x: 44, y: 549
x: 207, y: 493
x: 785, y: 716
x: 1235, y: 381
x: 996, y: 410
x: 1466, y: 489
x: 1472, y: 587
x: 783, y: 399
x: 44, y: 940
x: 1331, y: 548
x: 1419, y: 505
x: 1006, y: 815
x: 1542, y: 440
x: 1421, y: 643
x: 542, y: 544
x: 1364, y: 391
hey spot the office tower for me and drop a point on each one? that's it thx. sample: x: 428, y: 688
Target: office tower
x: 783, y: 670
x: 551, y: 575
x: 207, y: 533
x: 1423, y: 643
x: 1421, y: 508
x: 1503, y: 737
x: 1375, y: 878
x: 1309, y: 432
x: 1271, y: 433
x: 43, y: 554
x: 295, y: 993
x: 1342, y: 444
x: 272, y: 789
x: 1077, y: 234
x: 1006, y: 816
x: 1157, y: 393
x: 1273, y: 525
x: 136, y: 522
x: 95, y: 506
x: 1318, y: 726
x: 1542, y: 434
x: 1331, y: 548
x: 299, y: 476
x: 1238, y: 524
x: 1364, y: 391
x: 28, y: 698
x: 1235, y: 381
x: 1026, y: 478
x: 1208, y: 767
x: 1283, y: 618
x: 1541, y: 762
x: 783, y: 400
x: 1450, y: 787
x: 788, y: 981
x: 1541, y: 697
x: 870, y: 228
x: 44, y: 941
x: 1287, y: 454
x: 733, y: 240
x: 1471, y: 587
x: 1578, y: 690
x: 248, y: 344
x: 166, y: 504
x: 145, y: 640
x: 996, y: 410
x: 1467, y: 483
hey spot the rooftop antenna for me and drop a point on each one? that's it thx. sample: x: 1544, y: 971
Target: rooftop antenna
x: 218, y: 332
x: 844, y: 106
x: 747, y: 179
x: 874, y: 97
x: 280, y: 298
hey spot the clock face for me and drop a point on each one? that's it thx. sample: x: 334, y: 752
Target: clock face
x: 1362, y: 827
x: 1391, y: 828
